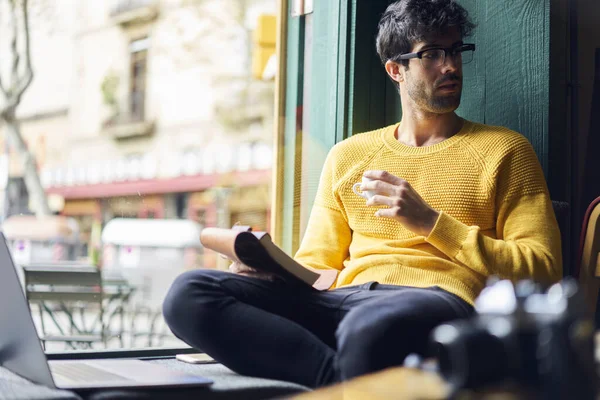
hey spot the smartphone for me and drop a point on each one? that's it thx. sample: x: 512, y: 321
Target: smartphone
x: 197, y: 358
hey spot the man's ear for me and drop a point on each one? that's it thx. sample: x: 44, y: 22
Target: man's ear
x: 395, y: 71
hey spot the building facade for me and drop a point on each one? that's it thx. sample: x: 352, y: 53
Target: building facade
x: 148, y: 109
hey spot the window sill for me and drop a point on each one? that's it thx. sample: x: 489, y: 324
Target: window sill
x: 141, y: 13
x: 129, y: 129
x: 149, y: 353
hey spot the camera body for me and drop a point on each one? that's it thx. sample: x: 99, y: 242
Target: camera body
x: 522, y: 334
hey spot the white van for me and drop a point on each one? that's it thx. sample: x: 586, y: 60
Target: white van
x: 150, y: 254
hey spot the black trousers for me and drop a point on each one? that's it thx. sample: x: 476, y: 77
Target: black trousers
x: 289, y: 332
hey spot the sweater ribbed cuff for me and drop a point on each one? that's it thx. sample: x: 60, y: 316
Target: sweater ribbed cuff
x: 448, y: 234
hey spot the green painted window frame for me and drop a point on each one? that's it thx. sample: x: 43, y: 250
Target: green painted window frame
x: 339, y: 100
x: 303, y: 152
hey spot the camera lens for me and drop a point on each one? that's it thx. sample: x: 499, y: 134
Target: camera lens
x: 469, y: 355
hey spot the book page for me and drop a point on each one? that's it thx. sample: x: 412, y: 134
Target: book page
x: 288, y: 262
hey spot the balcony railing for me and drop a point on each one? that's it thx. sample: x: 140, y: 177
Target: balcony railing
x: 128, y: 126
x: 133, y: 11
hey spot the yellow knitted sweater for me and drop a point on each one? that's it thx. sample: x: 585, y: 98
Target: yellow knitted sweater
x: 496, y: 216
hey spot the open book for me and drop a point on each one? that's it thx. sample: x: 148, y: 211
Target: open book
x: 256, y: 250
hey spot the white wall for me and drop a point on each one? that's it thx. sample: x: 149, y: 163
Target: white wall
x: 198, y: 60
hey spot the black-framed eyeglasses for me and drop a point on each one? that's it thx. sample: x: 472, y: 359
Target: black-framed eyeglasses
x: 436, y: 56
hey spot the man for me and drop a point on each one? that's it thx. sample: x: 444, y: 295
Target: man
x: 453, y: 203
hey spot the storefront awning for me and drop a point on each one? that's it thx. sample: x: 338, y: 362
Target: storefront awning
x: 158, y: 186
x: 152, y: 232
x: 30, y: 227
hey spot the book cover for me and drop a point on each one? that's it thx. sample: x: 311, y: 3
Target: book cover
x: 257, y: 250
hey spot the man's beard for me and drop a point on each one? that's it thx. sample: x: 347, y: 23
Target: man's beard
x: 438, y: 104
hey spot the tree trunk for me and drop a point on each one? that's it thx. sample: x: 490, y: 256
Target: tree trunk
x: 37, y: 195
x: 19, y: 58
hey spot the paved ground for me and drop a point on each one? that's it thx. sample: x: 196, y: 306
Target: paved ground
x: 139, y: 328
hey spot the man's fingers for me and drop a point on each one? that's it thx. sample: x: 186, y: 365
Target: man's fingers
x: 388, y: 212
x: 383, y: 176
x: 257, y: 274
x: 379, y: 187
x: 394, y: 206
x: 379, y: 200
x: 237, y: 268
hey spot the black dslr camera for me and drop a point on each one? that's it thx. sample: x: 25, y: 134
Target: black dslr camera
x: 542, y: 340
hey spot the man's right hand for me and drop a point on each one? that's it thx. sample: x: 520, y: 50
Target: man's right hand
x: 243, y: 269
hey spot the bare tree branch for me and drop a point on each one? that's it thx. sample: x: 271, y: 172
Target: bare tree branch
x: 2, y: 90
x: 18, y: 84
x: 25, y: 81
x: 21, y: 77
x: 14, y: 49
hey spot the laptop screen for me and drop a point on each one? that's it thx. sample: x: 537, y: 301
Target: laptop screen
x: 20, y: 348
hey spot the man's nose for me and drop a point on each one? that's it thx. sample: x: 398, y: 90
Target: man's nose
x: 451, y: 63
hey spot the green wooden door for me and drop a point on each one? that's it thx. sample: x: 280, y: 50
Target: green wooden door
x: 290, y: 148
x: 373, y: 99
x: 316, y: 111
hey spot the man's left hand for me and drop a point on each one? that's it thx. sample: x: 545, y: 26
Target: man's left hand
x: 405, y: 204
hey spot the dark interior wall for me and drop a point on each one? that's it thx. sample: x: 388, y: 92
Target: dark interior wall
x: 559, y: 137
x: 588, y: 114
x: 589, y: 41
x: 508, y: 82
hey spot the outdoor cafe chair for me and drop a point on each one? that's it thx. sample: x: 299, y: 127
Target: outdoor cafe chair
x: 75, y: 293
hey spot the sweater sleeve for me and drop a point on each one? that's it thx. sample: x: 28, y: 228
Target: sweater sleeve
x: 527, y: 243
x: 327, y: 238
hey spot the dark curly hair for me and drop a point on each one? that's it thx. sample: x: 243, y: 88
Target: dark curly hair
x: 406, y: 22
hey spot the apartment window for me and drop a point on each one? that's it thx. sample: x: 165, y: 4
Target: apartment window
x: 138, y: 50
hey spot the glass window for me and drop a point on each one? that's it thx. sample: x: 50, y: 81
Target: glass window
x: 147, y: 120
x: 138, y: 59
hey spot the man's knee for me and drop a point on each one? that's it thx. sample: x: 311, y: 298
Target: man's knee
x: 370, y: 340
x: 183, y: 303
x: 365, y: 330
